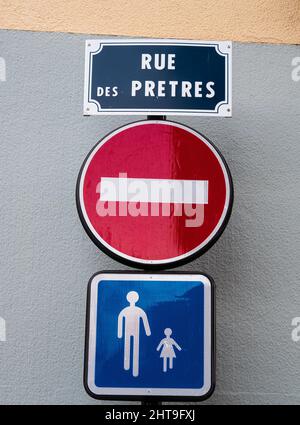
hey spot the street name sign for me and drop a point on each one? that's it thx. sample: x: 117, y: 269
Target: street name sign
x: 158, y: 77
x: 150, y: 335
x: 154, y: 194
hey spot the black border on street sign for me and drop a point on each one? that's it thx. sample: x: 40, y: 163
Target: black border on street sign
x: 152, y: 398
x: 165, y: 265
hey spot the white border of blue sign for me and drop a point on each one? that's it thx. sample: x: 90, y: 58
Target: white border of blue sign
x: 139, y: 393
x: 93, y: 47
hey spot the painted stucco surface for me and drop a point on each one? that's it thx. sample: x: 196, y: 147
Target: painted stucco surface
x: 47, y: 259
x: 271, y: 21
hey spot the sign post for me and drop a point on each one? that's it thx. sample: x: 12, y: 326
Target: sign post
x: 153, y: 194
x: 150, y: 336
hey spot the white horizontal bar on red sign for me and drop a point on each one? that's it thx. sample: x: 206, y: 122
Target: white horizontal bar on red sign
x: 123, y: 189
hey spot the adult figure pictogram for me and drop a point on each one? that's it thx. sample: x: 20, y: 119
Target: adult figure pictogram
x: 131, y: 317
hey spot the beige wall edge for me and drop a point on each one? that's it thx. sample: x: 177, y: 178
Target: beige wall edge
x: 267, y: 21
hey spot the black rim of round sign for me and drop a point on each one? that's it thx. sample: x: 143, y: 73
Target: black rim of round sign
x: 168, y: 264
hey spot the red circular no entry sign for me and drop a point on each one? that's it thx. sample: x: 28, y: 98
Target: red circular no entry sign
x: 154, y: 194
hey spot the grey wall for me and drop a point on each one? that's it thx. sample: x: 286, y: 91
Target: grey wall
x: 47, y: 259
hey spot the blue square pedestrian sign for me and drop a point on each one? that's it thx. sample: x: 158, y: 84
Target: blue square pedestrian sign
x: 150, y: 335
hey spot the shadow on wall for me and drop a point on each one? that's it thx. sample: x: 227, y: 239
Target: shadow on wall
x: 2, y: 69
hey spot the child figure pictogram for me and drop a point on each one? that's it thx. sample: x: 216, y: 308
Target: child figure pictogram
x: 168, y: 352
